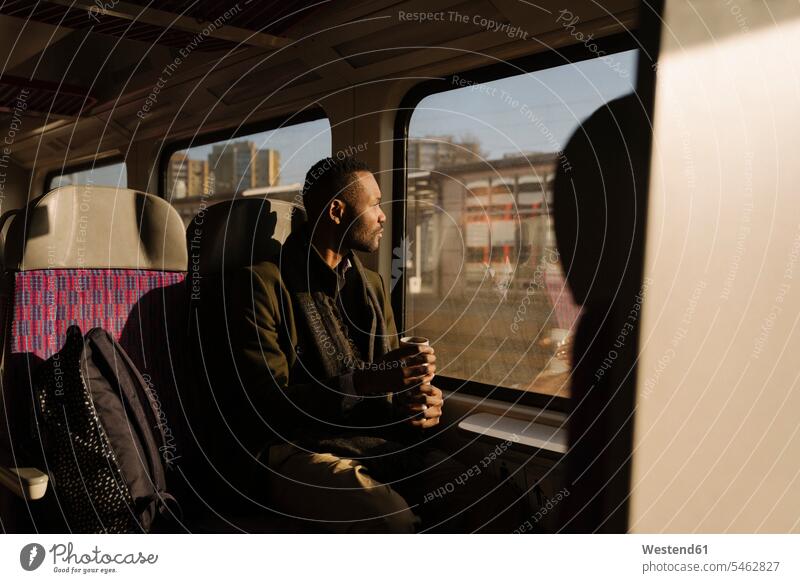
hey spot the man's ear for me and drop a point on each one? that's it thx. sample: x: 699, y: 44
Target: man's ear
x: 336, y: 211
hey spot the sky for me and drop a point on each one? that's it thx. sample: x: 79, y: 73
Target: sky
x: 534, y: 112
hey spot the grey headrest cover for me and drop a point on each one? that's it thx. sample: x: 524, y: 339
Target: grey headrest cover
x: 96, y: 227
x: 241, y: 232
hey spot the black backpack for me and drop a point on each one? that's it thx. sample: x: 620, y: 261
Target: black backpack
x: 103, y: 438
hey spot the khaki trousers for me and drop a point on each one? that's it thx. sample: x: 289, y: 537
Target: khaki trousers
x: 343, y: 495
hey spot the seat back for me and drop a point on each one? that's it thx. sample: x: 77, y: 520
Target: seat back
x: 94, y: 257
x: 602, y: 259
x: 244, y: 231
x: 221, y: 240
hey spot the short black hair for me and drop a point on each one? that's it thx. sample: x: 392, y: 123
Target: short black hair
x: 327, y: 179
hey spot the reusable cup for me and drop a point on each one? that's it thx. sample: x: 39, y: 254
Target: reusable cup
x: 415, y: 341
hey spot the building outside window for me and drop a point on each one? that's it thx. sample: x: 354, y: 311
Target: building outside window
x: 270, y: 163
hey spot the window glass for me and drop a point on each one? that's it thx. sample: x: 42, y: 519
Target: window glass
x: 98, y: 175
x: 270, y: 163
x: 483, y: 277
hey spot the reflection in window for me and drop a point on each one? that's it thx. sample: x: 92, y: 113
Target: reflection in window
x: 98, y: 175
x: 484, y: 280
x: 271, y: 164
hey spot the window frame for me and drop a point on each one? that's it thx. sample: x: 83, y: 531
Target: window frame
x: 83, y: 167
x: 527, y: 64
x: 168, y: 149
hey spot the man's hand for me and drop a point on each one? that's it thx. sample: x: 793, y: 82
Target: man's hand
x: 423, y: 405
x: 398, y: 371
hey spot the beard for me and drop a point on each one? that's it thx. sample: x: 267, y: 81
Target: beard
x: 361, y: 238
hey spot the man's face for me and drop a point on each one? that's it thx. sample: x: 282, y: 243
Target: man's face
x: 363, y: 216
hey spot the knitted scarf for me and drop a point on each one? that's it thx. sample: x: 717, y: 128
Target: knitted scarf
x: 333, y: 346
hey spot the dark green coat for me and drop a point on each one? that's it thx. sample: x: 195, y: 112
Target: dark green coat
x: 286, y: 393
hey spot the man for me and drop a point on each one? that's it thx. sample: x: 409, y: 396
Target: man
x: 344, y: 411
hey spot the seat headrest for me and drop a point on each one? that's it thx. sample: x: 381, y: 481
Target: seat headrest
x: 96, y: 227
x: 597, y: 220
x: 240, y: 232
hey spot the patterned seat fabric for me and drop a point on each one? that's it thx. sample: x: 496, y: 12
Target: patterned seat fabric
x: 47, y: 302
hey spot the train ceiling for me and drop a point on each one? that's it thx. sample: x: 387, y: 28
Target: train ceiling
x: 87, y: 70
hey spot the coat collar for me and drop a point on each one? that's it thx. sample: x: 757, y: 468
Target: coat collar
x: 307, y: 275
x: 300, y: 253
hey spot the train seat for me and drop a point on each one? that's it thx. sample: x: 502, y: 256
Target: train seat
x: 222, y: 239
x: 96, y: 257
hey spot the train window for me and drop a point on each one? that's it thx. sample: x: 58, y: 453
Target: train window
x: 482, y: 273
x: 98, y: 173
x: 271, y: 162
